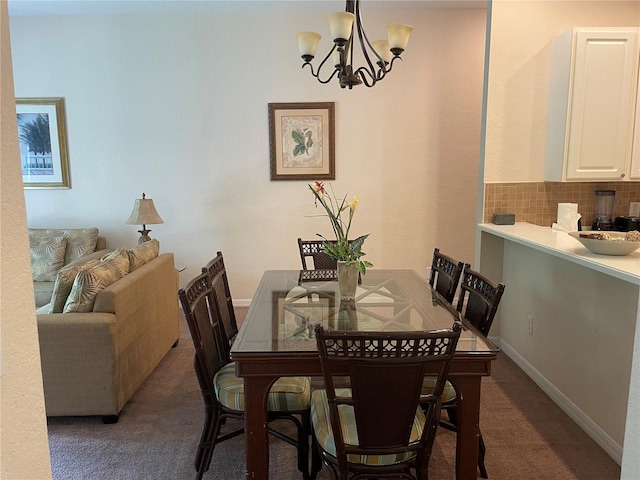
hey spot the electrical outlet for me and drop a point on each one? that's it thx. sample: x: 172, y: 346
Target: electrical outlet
x: 530, y: 324
x: 634, y: 209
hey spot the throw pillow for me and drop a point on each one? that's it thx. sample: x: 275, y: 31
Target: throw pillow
x: 64, y: 282
x: 90, y: 281
x: 143, y: 253
x: 47, y: 257
x: 80, y: 241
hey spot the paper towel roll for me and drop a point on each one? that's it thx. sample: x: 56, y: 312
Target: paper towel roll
x: 565, y: 209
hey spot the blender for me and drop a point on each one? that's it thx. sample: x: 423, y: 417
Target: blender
x: 603, y: 210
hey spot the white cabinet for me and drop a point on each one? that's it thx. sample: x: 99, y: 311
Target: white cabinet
x: 593, y: 104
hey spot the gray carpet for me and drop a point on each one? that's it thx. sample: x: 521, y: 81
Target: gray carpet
x: 527, y: 435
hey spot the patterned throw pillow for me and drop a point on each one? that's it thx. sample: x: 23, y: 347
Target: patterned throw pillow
x: 47, y: 257
x: 80, y: 241
x: 143, y: 253
x: 90, y: 281
x: 64, y: 283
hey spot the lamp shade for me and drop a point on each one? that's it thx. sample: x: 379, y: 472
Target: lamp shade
x: 382, y: 48
x: 340, y: 24
x: 144, y: 213
x: 398, y: 35
x: 308, y: 43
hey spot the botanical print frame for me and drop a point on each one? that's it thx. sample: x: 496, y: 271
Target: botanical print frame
x: 302, y: 141
x: 42, y: 135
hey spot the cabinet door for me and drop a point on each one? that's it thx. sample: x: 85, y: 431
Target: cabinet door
x: 635, y: 155
x: 600, y: 135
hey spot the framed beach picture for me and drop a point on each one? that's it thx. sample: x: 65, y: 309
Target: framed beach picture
x: 302, y: 141
x: 42, y: 135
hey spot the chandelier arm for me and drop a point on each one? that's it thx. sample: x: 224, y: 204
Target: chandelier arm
x: 364, y: 41
x: 369, y: 80
x: 316, y: 73
x: 381, y: 73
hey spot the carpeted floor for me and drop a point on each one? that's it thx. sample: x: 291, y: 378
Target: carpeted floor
x: 527, y: 435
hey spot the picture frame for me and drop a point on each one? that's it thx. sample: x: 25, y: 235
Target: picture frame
x: 42, y: 127
x: 302, y: 141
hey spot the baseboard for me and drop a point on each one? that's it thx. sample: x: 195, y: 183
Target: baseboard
x: 592, y: 429
x: 243, y: 302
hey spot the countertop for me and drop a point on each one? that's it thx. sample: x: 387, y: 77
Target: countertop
x: 561, y: 245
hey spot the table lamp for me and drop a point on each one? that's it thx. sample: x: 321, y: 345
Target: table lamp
x: 144, y: 213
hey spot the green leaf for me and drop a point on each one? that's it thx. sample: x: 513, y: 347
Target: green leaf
x: 299, y: 150
x: 298, y: 136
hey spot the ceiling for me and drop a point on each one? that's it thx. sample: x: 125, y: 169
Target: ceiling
x: 106, y: 7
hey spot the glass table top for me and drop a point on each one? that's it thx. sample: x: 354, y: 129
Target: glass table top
x: 288, y: 303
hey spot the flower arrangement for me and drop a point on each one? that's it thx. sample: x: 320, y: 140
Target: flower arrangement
x: 342, y: 249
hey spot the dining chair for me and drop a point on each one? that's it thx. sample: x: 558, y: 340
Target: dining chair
x: 219, y: 281
x: 313, y: 257
x: 478, y: 301
x: 223, y: 391
x: 445, y: 274
x: 378, y: 424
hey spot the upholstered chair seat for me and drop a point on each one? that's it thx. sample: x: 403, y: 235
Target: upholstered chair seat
x: 286, y: 394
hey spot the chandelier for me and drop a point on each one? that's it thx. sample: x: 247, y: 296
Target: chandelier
x: 379, y: 55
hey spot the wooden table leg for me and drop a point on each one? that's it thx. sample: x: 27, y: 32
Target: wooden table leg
x: 468, y: 426
x: 256, y: 426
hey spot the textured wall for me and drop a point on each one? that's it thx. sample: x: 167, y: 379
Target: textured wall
x: 519, y: 76
x: 24, y: 452
x: 176, y: 106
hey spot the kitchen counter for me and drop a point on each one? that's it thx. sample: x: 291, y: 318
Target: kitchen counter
x: 570, y: 319
x: 560, y: 244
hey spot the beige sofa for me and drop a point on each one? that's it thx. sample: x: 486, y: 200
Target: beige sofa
x: 92, y: 363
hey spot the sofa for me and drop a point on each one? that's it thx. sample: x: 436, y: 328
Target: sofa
x: 52, y: 249
x: 100, y: 344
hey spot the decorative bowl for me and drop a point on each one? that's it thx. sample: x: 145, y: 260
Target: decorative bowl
x: 615, y: 245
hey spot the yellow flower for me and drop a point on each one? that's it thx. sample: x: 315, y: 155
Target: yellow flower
x: 354, y: 203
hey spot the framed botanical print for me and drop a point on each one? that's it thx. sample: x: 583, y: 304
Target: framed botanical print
x: 42, y: 135
x: 302, y: 141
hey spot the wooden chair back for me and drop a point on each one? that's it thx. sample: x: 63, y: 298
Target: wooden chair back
x: 385, y: 371
x: 223, y: 302
x: 478, y: 299
x: 206, y: 334
x: 313, y: 256
x: 445, y: 275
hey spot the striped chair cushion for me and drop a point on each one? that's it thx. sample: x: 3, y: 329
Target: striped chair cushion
x: 448, y: 394
x: 324, y: 434
x: 287, y: 394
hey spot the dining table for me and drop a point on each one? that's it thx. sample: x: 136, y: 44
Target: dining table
x: 276, y: 339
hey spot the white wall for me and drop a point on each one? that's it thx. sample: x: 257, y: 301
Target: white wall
x: 521, y: 35
x: 23, y: 433
x: 584, y: 324
x: 176, y: 107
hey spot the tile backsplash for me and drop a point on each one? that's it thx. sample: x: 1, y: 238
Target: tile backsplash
x: 537, y: 202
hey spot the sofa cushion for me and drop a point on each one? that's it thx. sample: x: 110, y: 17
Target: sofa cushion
x: 64, y: 282
x: 90, y: 281
x: 143, y: 253
x: 80, y: 241
x: 47, y: 257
